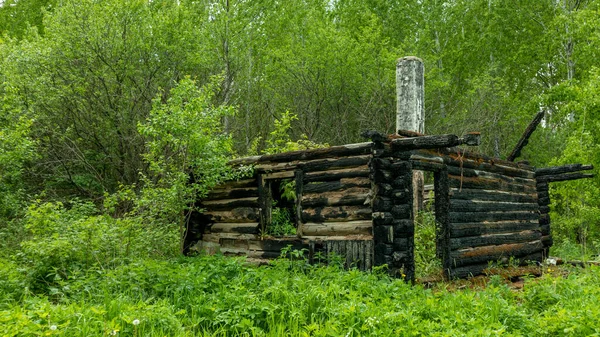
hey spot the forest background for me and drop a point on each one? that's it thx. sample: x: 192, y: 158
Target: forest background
x: 107, y: 107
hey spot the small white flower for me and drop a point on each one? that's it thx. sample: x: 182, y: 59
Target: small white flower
x: 114, y: 332
x: 135, y: 322
x: 53, y: 327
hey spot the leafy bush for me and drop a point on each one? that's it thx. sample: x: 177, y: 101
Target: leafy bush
x: 64, y: 240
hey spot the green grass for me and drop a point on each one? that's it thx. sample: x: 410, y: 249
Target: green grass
x: 218, y: 296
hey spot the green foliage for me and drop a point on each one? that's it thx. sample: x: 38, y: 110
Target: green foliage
x: 64, y: 240
x: 282, y: 222
x: 426, y: 262
x: 217, y: 296
x: 187, y: 152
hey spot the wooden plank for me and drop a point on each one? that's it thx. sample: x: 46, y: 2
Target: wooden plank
x: 338, y: 228
x: 361, y: 171
x: 494, y: 239
x: 335, y: 213
x: 562, y: 169
x: 468, y: 256
x: 322, y: 238
x: 425, y: 142
x: 458, y: 230
x: 228, y: 204
x: 233, y: 193
x: 350, y: 197
x: 336, y: 185
x: 516, y: 152
x: 565, y: 177
x: 215, y: 238
x: 479, y: 162
x: 468, y: 172
x: 460, y: 217
x: 239, y: 215
x: 490, y: 206
x: 279, y: 175
x: 332, y: 151
x: 242, y: 228
x: 492, y: 195
x: 488, y: 184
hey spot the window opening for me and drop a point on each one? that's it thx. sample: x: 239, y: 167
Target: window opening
x: 283, y: 220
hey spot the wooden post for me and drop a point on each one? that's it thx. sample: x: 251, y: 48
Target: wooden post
x: 410, y: 111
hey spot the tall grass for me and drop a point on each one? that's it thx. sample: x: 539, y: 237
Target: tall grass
x: 218, y: 296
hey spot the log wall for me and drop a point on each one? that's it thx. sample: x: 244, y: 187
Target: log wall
x: 333, y: 206
x: 493, y: 212
x: 356, y: 201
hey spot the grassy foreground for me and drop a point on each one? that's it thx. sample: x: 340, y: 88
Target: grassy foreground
x: 217, y: 296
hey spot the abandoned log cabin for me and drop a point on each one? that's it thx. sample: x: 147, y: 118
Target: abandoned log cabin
x: 358, y: 201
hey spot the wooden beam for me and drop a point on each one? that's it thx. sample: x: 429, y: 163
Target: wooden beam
x: 516, y: 152
x: 562, y: 169
x: 565, y: 177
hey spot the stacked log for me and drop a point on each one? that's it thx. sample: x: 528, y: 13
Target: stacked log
x: 393, y: 228
x: 493, y: 213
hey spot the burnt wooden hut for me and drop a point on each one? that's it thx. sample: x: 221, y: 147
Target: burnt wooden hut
x: 357, y: 201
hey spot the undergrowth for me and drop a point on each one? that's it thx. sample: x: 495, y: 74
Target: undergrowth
x: 219, y: 296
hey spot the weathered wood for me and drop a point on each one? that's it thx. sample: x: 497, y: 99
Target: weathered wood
x: 337, y: 213
x: 382, y: 218
x: 328, y: 152
x: 442, y: 216
x: 402, y: 211
x: 468, y: 172
x: 277, y: 244
x: 322, y: 238
x: 490, y: 206
x: 383, y: 233
x: 488, y: 184
x: 239, y: 215
x: 427, y: 165
x: 215, y: 238
x: 425, y: 142
x: 228, y: 204
x: 544, y: 219
x: 492, y: 195
x: 338, y: 228
x: 479, y: 162
x: 562, y: 169
x: 494, y: 239
x: 336, y: 185
x: 299, y: 180
x: 565, y: 177
x: 382, y: 204
x: 547, y: 240
x: 245, y: 183
x: 382, y: 176
x: 350, y: 197
x: 516, y: 152
x: 468, y: 256
x: 410, y: 94
x: 278, y: 175
x: 542, y: 187
x: 544, y: 209
x: 458, y: 230
x: 234, y: 193
x: 229, y: 227
x: 361, y: 171
x: 314, y: 165
x: 265, y: 200
x: 460, y: 217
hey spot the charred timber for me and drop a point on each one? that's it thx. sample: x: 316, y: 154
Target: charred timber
x: 461, y: 217
x: 562, y: 169
x: 495, y: 239
x: 361, y: 171
x: 458, y: 230
x: 492, y: 195
x: 350, y: 197
x: 490, y: 206
x: 468, y: 256
x: 425, y: 142
x: 240, y: 214
x: 336, y: 185
x: 333, y: 151
x: 339, y: 213
x: 337, y: 228
x: 488, y: 184
x: 516, y: 152
x: 564, y: 177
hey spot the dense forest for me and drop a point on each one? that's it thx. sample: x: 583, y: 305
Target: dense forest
x: 108, y: 107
